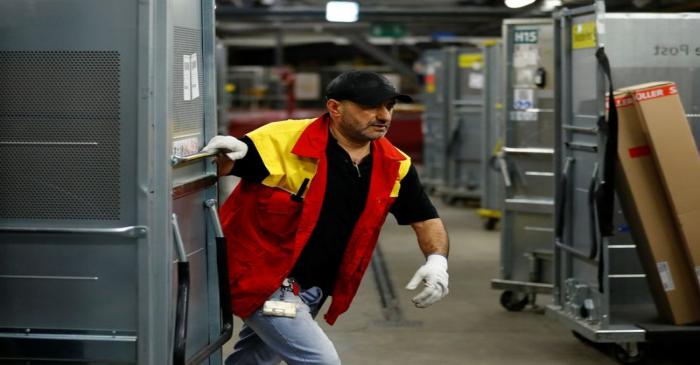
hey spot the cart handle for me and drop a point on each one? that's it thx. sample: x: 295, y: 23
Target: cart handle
x: 559, y: 228
x: 177, y: 161
x: 183, y: 294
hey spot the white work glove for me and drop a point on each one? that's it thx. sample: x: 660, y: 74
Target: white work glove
x: 434, y: 274
x: 236, y: 148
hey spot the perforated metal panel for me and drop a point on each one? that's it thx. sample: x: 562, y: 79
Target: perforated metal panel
x: 187, y: 114
x: 59, y: 135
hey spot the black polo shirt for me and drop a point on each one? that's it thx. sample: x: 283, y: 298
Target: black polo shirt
x: 346, y: 192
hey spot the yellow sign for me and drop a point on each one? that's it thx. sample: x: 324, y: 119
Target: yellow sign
x: 583, y: 35
x: 467, y: 60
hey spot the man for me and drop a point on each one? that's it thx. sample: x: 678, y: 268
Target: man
x: 304, y: 220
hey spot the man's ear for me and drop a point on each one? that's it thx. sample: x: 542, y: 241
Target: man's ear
x: 333, y: 107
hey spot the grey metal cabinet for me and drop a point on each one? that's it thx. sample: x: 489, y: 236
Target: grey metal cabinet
x: 96, y: 97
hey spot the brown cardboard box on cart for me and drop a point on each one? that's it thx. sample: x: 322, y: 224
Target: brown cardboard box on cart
x: 674, y: 289
x: 677, y: 160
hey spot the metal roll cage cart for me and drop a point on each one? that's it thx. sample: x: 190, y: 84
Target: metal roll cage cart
x: 452, y: 123
x: 600, y: 289
x: 525, y: 163
x: 463, y: 158
x: 111, y: 250
x: 434, y: 116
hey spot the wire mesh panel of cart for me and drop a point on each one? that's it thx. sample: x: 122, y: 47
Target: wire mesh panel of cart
x: 601, y: 291
x: 95, y: 98
x: 528, y: 224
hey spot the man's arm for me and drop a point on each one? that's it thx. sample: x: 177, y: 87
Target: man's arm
x: 433, y: 241
x: 224, y: 165
x: 432, y: 237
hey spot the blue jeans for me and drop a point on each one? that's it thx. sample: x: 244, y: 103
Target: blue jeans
x: 267, y: 340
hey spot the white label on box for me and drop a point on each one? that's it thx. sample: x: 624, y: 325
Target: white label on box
x: 476, y: 80
x: 194, y: 76
x: 697, y: 272
x: 665, y: 274
x: 523, y: 99
x: 186, y: 77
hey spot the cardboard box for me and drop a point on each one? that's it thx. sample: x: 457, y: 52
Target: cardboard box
x: 675, y: 292
x: 677, y: 159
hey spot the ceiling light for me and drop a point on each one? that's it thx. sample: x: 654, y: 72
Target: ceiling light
x: 342, y: 11
x: 518, y: 3
x: 549, y: 5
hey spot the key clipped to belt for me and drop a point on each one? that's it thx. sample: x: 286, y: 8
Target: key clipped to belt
x: 280, y: 308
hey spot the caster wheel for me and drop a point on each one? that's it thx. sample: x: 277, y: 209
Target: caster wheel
x: 490, y: 224
x: 513, y: 301
x: 624, y: 355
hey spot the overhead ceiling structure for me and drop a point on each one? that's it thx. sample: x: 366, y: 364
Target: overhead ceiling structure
x: 384, y: 26
x: 410, y: 18
x: 415, y: 18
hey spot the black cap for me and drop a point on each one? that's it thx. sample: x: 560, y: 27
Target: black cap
x: 363, y: 87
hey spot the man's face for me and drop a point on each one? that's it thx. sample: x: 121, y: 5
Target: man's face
x: 363, y: 123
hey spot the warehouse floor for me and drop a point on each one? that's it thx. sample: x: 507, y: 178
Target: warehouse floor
x: 467, y: 327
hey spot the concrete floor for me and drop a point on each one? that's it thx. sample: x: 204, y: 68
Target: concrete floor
x: 467, y: 327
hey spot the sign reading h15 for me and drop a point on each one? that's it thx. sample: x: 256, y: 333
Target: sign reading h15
x: 525, y: 36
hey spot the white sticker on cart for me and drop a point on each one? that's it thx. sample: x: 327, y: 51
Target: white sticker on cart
x: 525, y: 55
x: 186, y: 146
x: 665, y: 274
x: 523, y: 99
x: 525, y: 76
x: 523, y: 116
x: 186, y: 90
x: 194, y: 74
x: 476, y: 80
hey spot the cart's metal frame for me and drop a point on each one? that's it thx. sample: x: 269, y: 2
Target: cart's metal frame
x: 492, y: 131
x: 600, y: 289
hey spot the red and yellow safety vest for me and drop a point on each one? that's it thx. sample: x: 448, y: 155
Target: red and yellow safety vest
x: 267, y: 230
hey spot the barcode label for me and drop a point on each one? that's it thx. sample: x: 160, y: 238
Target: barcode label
x: 665, y: 274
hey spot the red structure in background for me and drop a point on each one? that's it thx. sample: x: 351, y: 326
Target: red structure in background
x: 406, y: 130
